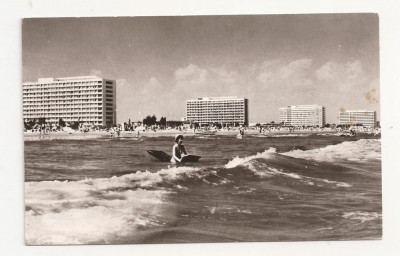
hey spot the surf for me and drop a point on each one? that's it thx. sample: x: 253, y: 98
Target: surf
x: 357, y: 151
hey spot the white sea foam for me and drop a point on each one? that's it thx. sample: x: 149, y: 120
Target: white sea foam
x: 95, y: 210
x: 90, y: 219
x: 263, y: 170
x: 359, y: 151
x: 244, y: 211
x: 238, y: 160
x: 362, y: 216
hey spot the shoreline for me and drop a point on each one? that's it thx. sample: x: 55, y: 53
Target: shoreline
x: 61, y: 135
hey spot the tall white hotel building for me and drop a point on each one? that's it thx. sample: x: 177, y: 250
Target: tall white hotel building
x: 88, y: 99
x: 352, y: 117
x: 224, y: 110
x: 302, y: 115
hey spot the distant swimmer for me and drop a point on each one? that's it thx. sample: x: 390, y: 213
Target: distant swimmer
x: 241, y: 131
x: 178, y: 150
x: 118, y: 130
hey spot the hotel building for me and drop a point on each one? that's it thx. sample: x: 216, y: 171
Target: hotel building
x: 87, y: 99
x: 353, y: 117
x: 224, y: 110
x: 302, y: 115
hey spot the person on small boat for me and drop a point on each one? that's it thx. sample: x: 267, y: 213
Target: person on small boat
x: 178, y: 150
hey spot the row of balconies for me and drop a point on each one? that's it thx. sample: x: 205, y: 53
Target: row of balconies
x: 93, y: 99
x: 62, y: 108
x: 86, y: 96
x: 51, y: 94
x: 74, y: 102
x: 217, y: 114
x: 62, y: 105
x: 215, y: 109
x: 66, y: 89
x: 215, y: 102
x: 69, y: 112
x: 214, y: 115
x: 43, y: 105
x: 70, y: 96
x: 63, y: 85
x: 214, y: 106
x: 357, y: 116
x: 57, y: 92
x: 231, y: 116
x: 63, y: 95
x: 73, y: 106
x: 62, y: 88
x: 62, y: 100
x: 216, y: 120
x: 66, y: 103
x: 64, y: 111
x: 63, y: 116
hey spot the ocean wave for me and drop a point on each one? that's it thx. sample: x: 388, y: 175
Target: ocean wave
x: 91, y: 218
x: 263, y: 170
x: 97, y: 210
x: 238, y: 160
x: 357, y: 151
x: 362, y: 216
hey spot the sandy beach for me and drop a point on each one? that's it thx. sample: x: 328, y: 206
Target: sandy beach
x: 77, y: 135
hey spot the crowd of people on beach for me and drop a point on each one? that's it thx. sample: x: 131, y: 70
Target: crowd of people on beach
x: 291, y: 129
x: 44, y: 128
x: 115, y: 131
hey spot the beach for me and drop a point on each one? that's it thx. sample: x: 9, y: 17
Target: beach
x: 78, y: 135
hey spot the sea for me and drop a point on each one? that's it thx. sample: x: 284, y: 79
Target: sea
x: 318, y: 187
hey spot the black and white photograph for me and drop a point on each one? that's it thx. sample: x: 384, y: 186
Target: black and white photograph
x: 201, y: 129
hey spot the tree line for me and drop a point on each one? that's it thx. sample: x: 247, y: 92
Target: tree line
x: 152, y: 120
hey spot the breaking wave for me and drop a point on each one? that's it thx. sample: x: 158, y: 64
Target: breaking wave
x: 96, y: 210
x: 362, y: 216
x: 358, y: 151
x: 238, y: 161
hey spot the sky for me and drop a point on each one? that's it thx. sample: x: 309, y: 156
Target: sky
x: 160, y: 62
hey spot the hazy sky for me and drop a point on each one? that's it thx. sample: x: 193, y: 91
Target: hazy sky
x: 159, y: 62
